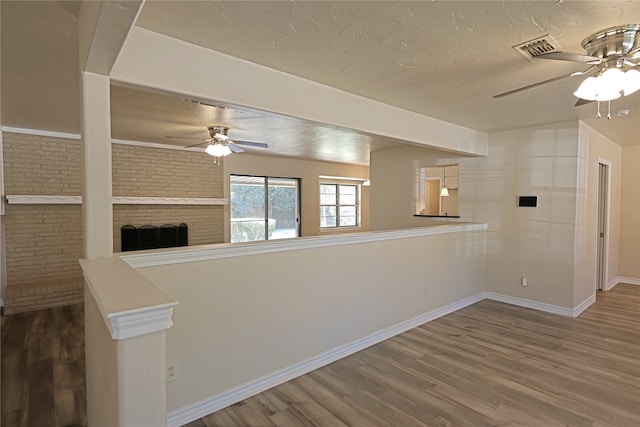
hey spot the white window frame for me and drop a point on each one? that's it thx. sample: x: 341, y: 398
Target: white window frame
x: 358, y: 204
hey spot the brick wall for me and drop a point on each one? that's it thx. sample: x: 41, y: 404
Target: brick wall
x: 142, y: 171
x: 44, y: 242
x: 146, y: 172
x: 41, y: 165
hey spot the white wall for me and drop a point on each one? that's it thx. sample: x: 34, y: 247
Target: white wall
x: 308, y: 172
x: 593, y: 149
x: 243, y: 318
x: 534, y: 242
x: 629, y: 257
x: 393, y: 185
x: 3, y: 274
x: 554, y: 244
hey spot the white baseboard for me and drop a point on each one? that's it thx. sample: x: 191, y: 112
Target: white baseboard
x: 627, y: 280
x: 612, y: 284
x: 540, y: 306
x: 207, y: 406
x: 577, y: 310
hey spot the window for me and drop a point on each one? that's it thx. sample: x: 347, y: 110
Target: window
x: 264, y: 208
x: 339, y: 205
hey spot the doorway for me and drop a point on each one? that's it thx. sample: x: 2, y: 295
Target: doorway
x: 264, y: 208
x: 432, y: 197
x: 602, y: 225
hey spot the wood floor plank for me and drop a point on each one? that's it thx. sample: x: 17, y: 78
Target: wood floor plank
x: 43, y: 368
x: 374, y: 406
x: 345, y: 413
x: 247, y: 413
x: 197, y: 423
x: 40, y: 403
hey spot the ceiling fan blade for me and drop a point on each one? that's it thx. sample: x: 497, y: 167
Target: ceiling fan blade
x: 252, y: 144
x: 197, y: 145
x: 531, y: 86
x: 569, y: 56
x: 233, y: 147
x: 581, y: 101
x: 184, y: 137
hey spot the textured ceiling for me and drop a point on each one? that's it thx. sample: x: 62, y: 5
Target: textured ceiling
x: 143, y: 116
x: 443, y: 59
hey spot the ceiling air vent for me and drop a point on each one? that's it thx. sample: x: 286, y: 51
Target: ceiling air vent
x: 538, y: 46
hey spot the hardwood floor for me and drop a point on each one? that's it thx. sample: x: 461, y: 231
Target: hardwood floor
x: 43, y: 368
x: 488, y: 364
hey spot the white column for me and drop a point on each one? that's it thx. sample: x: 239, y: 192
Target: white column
x: 125, y: 349
x: 97, y: 207
x: 142, y: 379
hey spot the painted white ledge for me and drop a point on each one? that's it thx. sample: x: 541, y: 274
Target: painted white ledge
x: 43, y: 200
x: 40, y: 132
x: 151, y: 258
x: 129, y: 303
x: 117, y: 200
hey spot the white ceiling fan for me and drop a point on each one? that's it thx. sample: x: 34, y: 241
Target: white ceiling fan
x: 219, y: 144
x: 612, y: 54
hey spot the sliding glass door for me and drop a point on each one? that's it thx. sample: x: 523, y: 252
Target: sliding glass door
x: 264, y: 208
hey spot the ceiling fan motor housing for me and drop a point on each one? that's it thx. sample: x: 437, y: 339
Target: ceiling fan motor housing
x: 613, y: 44
x: 218, y: 132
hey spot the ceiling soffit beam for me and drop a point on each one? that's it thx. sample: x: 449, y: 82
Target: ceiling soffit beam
x: 103, y: 27
x: 159, y: 62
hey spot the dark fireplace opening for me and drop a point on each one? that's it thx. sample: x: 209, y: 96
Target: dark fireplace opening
x: 152, y: 237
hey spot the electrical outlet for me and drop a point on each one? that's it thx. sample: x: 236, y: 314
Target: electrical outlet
x: 426, y: 291
x: 525, y: 282
x: 172, y: 371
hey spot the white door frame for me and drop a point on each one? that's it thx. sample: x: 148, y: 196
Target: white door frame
x: 602, y: 258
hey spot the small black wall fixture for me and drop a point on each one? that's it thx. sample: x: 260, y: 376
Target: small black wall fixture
x: 152, y: 237
x: 528, y: 201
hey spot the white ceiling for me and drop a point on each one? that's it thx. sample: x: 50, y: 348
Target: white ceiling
x: 442, y: 59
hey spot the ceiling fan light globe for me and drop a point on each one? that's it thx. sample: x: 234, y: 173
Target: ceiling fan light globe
x: 217, y: 150
x: 606, y: 87
x: 631, y: 82
x: 612, y: 75
x: 610, y: 84
x: 608, y: 94
x: 588, y: 89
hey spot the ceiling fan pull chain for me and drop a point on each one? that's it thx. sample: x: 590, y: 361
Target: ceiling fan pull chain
x: 609, y: 113
x: 598, y: 115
